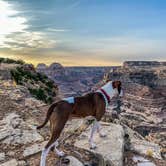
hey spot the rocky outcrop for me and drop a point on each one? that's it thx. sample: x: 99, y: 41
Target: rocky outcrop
x: 33, y: 149
x: 39, y: 85
x: 143, y: 105
x: 110, y: 148
x: 141, y: 161
x: 12, y: 162
x: 17, y: 121
x: 140, y: 145
x: 52, y: 71
x: 15, y: 131
x: 142, y: 109
x: 134, y: 64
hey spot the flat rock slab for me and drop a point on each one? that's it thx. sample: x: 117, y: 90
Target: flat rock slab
x: 110, y: 148
x: 141, y: 161
x: 35, y: 148
x: 12, y: 162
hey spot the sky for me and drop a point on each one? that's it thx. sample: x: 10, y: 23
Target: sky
x: 83, y: 32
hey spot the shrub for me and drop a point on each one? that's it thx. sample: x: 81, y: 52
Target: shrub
x: 9, y: 61
x: 50, y: 84
x: 16, y: 76
x: 49, y: 100
x: 38, y: 93
x: 45, y: 92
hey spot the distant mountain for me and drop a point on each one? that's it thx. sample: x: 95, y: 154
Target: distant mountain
x: 73, y: 81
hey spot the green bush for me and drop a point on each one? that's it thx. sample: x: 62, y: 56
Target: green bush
x: 16, y: 76
x: 50, y: 84
x: 9, y: 61
x: 49, y: 100
x: 46, y: 90
x: 38, y: 93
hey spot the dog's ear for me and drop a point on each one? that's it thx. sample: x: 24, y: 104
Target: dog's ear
x: 106, y: 78
x: 117, y: 85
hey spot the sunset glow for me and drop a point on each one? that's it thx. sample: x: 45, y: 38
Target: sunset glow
x: 82, y: 32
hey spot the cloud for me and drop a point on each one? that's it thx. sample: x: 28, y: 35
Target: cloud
x: 14, y: 32
x: 10, y: 22
x: 57, y: 30
x: 28, y: 41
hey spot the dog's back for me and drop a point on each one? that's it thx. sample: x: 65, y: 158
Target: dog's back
x: 86, y: 105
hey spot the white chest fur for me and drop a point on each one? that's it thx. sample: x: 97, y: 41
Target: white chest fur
x: 109, y: 89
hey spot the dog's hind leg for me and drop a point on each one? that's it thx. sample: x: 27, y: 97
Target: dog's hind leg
x: 57, y: 122
x: 52, y: 143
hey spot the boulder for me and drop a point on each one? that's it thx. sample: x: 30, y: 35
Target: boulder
x: 74, y: 161
x: 139, y: 145
x: 144, y: 147
x: 12, y: 162
x: 110, y: 148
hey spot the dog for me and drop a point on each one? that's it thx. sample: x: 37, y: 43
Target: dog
x: 92, y: 104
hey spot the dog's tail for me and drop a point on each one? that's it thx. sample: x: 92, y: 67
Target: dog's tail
x: 49, y: 112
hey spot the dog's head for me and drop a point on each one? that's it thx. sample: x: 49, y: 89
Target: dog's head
x: 117, y: 86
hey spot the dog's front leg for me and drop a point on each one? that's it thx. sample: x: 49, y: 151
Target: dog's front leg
x: 102, y: 134
x: 59, y: 153
x: 93, y: 130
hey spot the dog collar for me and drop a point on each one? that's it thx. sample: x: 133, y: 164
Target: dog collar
x: 106, y: 95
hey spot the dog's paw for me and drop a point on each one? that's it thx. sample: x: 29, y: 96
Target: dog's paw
x: 60, y: 153
x: 102, y: 134
x: 93, y: 146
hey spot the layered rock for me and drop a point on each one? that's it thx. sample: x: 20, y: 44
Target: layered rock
x: 134, y: 64
x: 15, y: 131
x: 142, y: 110
x: 110, y: 148
x: 52, y: 71
x: 144, y: 100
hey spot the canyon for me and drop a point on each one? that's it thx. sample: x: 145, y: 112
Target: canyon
x: 134, y: 124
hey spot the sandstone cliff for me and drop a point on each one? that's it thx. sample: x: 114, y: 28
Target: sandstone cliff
x: 21, y: 143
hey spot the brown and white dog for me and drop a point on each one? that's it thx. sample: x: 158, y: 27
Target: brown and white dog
x: 92, y: 104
